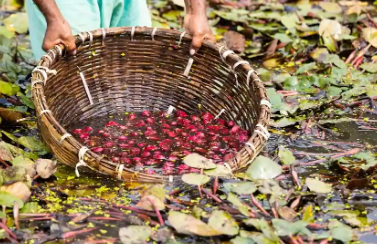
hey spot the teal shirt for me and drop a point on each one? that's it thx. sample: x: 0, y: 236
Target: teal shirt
x: 87, y: 15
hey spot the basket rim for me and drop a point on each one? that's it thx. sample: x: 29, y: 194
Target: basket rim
x: 53, y: 55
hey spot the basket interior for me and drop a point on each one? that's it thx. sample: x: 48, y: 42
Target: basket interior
x: 145, y: 74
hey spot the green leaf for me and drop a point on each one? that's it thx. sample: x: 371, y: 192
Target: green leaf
x: 290, y: 21
x: 275, y: 98
x: 232, y: 198
x: 219, y: 171
x: 6, y: 33
x: 198, y: 161
x: 8, y: 88
x: 27, y: 164
x: 341, y: 231
x: 134, y: 234
x: 370, y: 35
x: 334, y: 91
x: 33, y: 144
x: 195, y: 179
x: 305, y: 68
x: 8, y: 200
x: 291, y: 83
x: 223, y: 223
x: 284, y: 38
x: 370, y: 67
x: 27, y: 101
x: 262, y: 225
x: 241, y: 188
x: 318, y: 186
x: 285, y: 228
x: 242, y: 240
x: 18, y: 22
x: 263, y: 168
x: 286, y: 156
x: 30, y: 207
x: 154, y: 193
x: 188, y: 224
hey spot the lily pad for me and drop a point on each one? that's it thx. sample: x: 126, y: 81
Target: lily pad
x: 340, y: 231
x: 134, y: 234
x: 45, y: 167
x: 286, y: 156
x: 241, y: 188
x: 7, y: 199
x: 198, y: 161
x: 195, y: 179
x: 237, y: 203
x: 223, y: 223
x: 155, y: 194
x: 285, y: 228
x: 263, y: 168
x: 262, y: 225
x: 370, y: 67
x: 242, y: 240
x: 219, y: 171
x: 188, y: 224
x: 318, y: 186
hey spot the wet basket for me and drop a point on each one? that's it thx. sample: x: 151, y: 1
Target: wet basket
x: 132, y: 69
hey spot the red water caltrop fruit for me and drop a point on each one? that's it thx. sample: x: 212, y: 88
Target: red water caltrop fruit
x: 112, y: 123
x: 108, y: 144
x: 97, y: 149
x: 132, y: 117
x: 161, y: 142
x: 146, y: 113
x: 77, y: 131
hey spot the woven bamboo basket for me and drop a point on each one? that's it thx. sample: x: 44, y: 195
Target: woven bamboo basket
x: 131, y: 69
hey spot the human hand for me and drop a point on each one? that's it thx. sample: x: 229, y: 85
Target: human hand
x: 59, y: 32
x: 198, y: 26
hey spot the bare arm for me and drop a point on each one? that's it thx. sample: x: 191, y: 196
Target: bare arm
x: 58, y: 30
x: 196, y: 23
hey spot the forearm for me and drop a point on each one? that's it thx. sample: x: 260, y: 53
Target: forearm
x: 195, y: 7
x: 49, y: 9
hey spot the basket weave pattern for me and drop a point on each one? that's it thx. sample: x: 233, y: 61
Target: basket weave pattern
x: 134, y: 69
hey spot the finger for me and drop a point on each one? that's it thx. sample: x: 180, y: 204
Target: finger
x: 47, y: 45
x: 196, y: 43
x: 71, y: 45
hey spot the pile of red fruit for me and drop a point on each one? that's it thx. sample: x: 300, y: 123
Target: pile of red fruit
x: 156, y: 143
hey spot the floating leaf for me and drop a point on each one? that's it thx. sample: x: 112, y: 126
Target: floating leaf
x: 285, y: 228
x: 241, y: 188
x: 8, y: 88
x: 370, y: 67
x: 197, y: 161
x: 330, y: 7
x: 14, y: 173
x: 45, y: 167
x: 242, y: 240
x: 188, y: 224
x: 341, y: 231
x: 18, y: 22
x: 156, y: 194
x: 7, y: 199
x: 290, y: 21
x: 263, y: 168
x: 5, y: 153
x: 287, y: 213
x: 219, y: 171
x: 370, y: 35
x: 134, y: 234
x: 27, y: 164
x: 286, y: 156
x: 284, y: 38
x: 162, y: 235
x: 33, y: 144
x: 223, y: 223
x: 262, y: 225
x: 330, y: 28
x: 308, y: 214
x: 305, y: 68
x: 195, y: 179
x: 237, y: 202
x: 318, y: 186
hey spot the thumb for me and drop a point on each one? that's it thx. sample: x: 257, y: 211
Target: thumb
x: 196, y: 43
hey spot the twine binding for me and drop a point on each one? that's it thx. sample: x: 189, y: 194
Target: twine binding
x: 154, y: 32
x: 86, y: 87
x: 219, y: 114
x: 81, y: 162
x: 103, y: 36
x: 120, y: 171
x: 133, y: 32
x: 266, y: 103
x: 180, y: 38
x: 170, y: 110
x: 90, y: 38
x: 263, y: 132
x: 188, y: 66
x: 65, y: 136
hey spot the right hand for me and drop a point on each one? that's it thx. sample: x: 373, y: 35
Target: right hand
x: 59, y: 32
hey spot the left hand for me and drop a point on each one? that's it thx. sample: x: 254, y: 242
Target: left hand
x: 198, y: 26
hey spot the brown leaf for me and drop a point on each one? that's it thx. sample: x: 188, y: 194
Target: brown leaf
x: 5, y: 154
x: 18, y: 189
x: 287, y: 213
x: 156, y: 194
x: 235, y: 41
x: 10, y: 116
x: 45, y: 167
